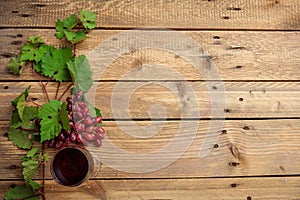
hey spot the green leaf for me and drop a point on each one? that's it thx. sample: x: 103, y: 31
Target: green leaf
x: 70, y: 22
x: 29, y: 51
x: 32, y: 152
x: 60, y: 29
x: 98, y: 112
x: 64, y: 117
x: 16, y: 66
x: 29, y: 169
x: 16, y: 100
x: 37, y: 67
x: 35, y: 40
x: 21, y: 105
x: 50, y: 126
x: 34, y: 185
x: 20, y: 138
x: 75, y: 37
x: 15, y: 118
x: 43, y: 49
x: 88, y: 19
x: 30, y: 113
x: 19, y: 102
x: 20, y: 192
x: 54, y: 64
x: 81, y: 73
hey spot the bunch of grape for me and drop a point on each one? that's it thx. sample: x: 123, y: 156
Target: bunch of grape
x: 85, y: 129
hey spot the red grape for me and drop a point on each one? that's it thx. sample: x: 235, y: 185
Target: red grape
x: 73, y: 137
x: 97, y: 142
x: 85, y: 111
x: 99, y: 119
x: 71, y: 124
x: 69, y: 100
x: 82, y: 105
x: 79, y: 138
x: 89, y: 136
x: 80, y: 127
x: 89, y: 129
x: 100, y: 130
x: 88, y: 120
x: 58, y: 144
x: 51, y: 143
x: 101, y: 136
x: 79, y: 95
x: 78, y: 115
x: 61, y: 137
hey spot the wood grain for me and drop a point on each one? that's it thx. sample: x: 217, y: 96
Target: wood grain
x: 193, y: 189
x: 241, y: 55
x: 238, y: 148
x: 180, y: 14
x: 173, y: 100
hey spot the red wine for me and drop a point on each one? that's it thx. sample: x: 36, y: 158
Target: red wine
x: 71, y: 166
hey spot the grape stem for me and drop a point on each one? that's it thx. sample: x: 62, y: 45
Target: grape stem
x: 74, y: 50
x: 35, y: 103
x: 42, y: 84
x: 65, y: 91
x: 48, y: 81
x: 28, y: 129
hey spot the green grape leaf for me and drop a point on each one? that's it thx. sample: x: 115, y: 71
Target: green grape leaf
x: 20, y: 192
x: 59, y: 29
x: 29, y: 51
x: 20, y: 138
x: 70, y: 22
x: 50, y: 126
x: 15, y: 118
x: 29, y: 168
x: 32, y: 152
x: 64, y: 117
x: 75, y: 37
x: 16, y: 66
x: 19, y: 102
x: 88, y: 19
x: 54, y: 64
x: 16, y: 100
x: 81, y: 73
x: 21, y: 105
x: 34, y: 185
x: 37, y: 67
x: 35, y: 40
x: 43, y: 49
x: 30, y: 113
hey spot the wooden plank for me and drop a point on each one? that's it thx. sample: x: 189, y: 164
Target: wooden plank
x: 182, y: 14
x: 237, y: 55
x: 237, y: 188
x: 173, y: 100
x: 239, y: 148
x: 194, y: 189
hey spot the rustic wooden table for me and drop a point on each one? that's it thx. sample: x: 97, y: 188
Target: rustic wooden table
x: 255, y: 45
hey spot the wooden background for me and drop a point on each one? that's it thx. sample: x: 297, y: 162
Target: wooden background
x: 256, y: 47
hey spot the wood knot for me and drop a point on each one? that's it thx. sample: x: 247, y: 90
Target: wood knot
x: 234, y: 164
x: 234, y: 151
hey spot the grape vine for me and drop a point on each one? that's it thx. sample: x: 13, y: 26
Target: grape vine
x: 56, y: 123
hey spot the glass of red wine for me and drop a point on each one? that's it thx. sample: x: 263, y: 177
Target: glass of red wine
x: 72, y: 166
